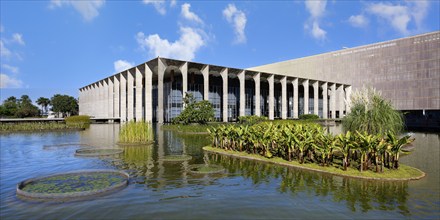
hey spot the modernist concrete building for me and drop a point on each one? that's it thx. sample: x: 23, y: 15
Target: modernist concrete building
x: 406, y: 70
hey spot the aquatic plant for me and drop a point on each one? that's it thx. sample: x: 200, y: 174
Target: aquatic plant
x: 78, y: 121
x: 136, y: 133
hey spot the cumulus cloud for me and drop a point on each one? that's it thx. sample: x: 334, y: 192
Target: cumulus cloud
x: 4, y: 52
x: 121, y: 65
x: 9, y: 82
x: 185, y: 48
x: 358, y: 20
x: 88, y: 9
x: 400, y: 15
x: 317, y: 10
x: 237, y: 19
x: 18, y: 38
x: 11, y: 69
x: 159, y: 5
x: 189, y: 15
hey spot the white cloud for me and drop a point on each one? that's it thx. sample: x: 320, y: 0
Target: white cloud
x: 185, y: 48
x: 9, y: 82
x: 358, y: 20
x: 11, y: 69
x: 238, y: 20
x: 18, y: 38
x: 4, y: 52
x: 173, y: 3
x: 121, y: 65
x: 317, y: 32
x: 189, y: 15
x: 159, y: 5
x: 87, y: 9
x: 317, y: 10
x: 400, y: 15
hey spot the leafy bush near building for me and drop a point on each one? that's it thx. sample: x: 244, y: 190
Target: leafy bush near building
x: 308, y: 117
x: 372, y: 114
x: 195, y: 112
x: 251, y: 119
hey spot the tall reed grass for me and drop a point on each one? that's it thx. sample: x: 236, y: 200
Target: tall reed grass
x: 136, y: 133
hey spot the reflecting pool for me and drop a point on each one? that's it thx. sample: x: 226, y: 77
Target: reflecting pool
x: 165, y: 189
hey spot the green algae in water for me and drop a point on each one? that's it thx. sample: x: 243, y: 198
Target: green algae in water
x: 70, y: 183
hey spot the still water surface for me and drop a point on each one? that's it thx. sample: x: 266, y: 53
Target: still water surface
x: 246, y: 190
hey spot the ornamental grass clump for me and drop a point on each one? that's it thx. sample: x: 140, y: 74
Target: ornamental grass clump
x: 136, y: 133
x: 372, y: 114
x: 78, y: 121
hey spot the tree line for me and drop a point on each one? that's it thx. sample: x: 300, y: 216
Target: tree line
x: 23, y: 107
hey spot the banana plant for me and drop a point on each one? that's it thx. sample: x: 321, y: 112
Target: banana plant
x: 396, y: 145
x: 344, y: 145
x: 365, y: 146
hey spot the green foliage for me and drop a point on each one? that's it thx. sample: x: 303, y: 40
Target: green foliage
x: 251, y: 119
x: 308, y: 117
x: 136, y: 133
x: 309, y: 143
x: 67, y: 105
x: 372, y: 114
x: 13, y: 127
x: 78, y: 121
x: 195, y: 112
x: 19, y: 108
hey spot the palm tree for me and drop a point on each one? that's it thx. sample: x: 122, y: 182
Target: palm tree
x: 43, y: 102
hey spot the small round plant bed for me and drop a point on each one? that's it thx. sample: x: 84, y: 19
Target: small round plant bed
x: 176, y: 158
x: 97, y: 152
x: 205, y: 168
x: 75, y: 185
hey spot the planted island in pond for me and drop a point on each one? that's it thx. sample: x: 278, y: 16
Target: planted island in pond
x: 136, y: 133
x: 72, y: 185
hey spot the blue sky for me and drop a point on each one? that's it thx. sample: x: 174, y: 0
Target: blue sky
x: 58, y: 46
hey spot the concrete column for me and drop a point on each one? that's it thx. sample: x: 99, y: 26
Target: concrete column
x: 257, y: 95
x: 184, y: 70
x: 333, y: 100
x: 341, y: 101
x: 161, y: 72
x: 105, y: 100
x: 81, y: 101
x: 305, y: 84
x: 325, y: 100
x: 270, y: 79
x: 205, y: 72
x: 95, y: 102
x: 130, y: 95
x: 117, y: 103
x: 284, y: 97
x: 242, y: 79
x: 224, y: 74
x: 148, y: 93
x: 101, y: 99
x: 123, y: 82
x: 111, y: 97
x: 138, y: 104
x: 295, y: 98
x: 348, y: 99
x: 316, y: 98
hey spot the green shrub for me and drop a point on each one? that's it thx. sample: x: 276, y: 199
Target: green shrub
x: 136, y: 133
x: 78, y: 121
x: 195, y: 112
x: 372, y: 114
x: 251, y: 119
x: 308, y: 117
